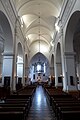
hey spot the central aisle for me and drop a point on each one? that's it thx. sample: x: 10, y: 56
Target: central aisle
x: 40, y: 109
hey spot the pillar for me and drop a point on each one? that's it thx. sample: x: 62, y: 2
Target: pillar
x: 58, y: 73
x: 20, y: 71
x: 78, y: 75
x: 70, y: 68
x: 52, y: 71
x: 7, y: 67
x: 1, y: 59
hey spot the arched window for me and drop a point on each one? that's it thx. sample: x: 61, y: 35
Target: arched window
x: 38, y: 67
x: 44, y: 68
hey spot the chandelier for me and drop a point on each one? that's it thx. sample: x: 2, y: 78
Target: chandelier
x: 39, y: 34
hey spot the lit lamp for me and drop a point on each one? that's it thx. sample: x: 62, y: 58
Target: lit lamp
x: 39, y: 32
x: 51, y: 43
x: 61, y: 76
x: 57, y: 27
x: 15, y: 76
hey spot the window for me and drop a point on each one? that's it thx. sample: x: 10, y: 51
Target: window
x: 44, y: 68
x: 38, y: 67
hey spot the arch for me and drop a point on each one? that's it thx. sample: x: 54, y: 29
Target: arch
x: 52, y: 71
x: 58, y: 69
x: 19, y: 50
x: 36, y: 57
x: 70, y: 30
x: 44, y: 72
x: 41, y: 47
x: 72, y: 47
x: 33, y: 5
x: 19, y: 64
x: 52, y: 65
x: 6, y: 49
x: 52, y: 60
x: 26, y: 60
x: 6, y: 32
x: 26, y: 69
x: 58, y: 53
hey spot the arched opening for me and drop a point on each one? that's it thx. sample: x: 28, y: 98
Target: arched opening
x: 6, y: 51
x: 39, y: 68
x: 71, y: 28
x: 52, y: 71
x: 72, y: 43
x: 26, y: 69
x: 76, y: 48
x: 52, y: 65
x: 58, y: 68
x: 19, y: 66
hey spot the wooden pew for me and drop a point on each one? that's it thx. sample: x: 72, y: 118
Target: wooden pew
x: 64, y: 103
x: 12, y: 115
x: 55, y: 93
x: 14, y: 108
x: 19, y: 101
x: 20, y: 97
x: 66, y: 108
x: 15, y: 105
x: 70, y: 115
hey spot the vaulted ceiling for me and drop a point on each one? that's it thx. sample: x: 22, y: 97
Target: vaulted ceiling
x: 39, y: 17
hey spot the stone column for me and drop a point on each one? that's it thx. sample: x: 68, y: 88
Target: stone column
x: 78, y: 75
x: 14, y: 68
x: 70, y: 71
x: 1, y: 59
x: 14, y: 73
x: 7, y: 67
x: 58, y: 73
x: 20, y: 71
x: 26, y: 75
x: 52, y: 71
x: 2, y: 40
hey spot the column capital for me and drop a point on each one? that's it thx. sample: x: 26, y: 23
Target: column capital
x: 69, y: 53
x: 8, y: 54
x: 20, y: 63
x: 58, y: 63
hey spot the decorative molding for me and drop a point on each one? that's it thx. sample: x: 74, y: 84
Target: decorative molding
x: 14, y: 19
x: 66, y: 10
x: 70, y: 53
x: 9, y: 10
x: 63, y: 17
x: 8, y: 54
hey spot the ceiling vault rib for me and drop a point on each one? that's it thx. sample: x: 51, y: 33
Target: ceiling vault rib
x: 37, y: 26
x: 39, y: 17
x: 24, y: 4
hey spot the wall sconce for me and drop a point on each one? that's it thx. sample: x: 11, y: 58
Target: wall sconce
x: 61, y: 76
x: 15, y: 77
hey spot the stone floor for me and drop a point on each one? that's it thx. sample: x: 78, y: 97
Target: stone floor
x: 40, y: 110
